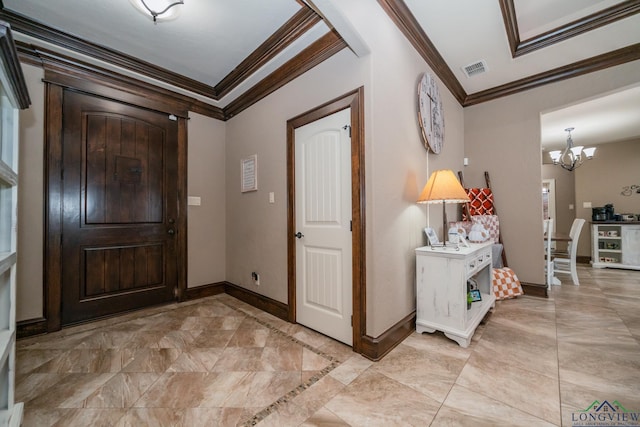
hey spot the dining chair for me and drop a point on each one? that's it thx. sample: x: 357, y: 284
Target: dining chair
x: 565, y: 263
x: 548, y: 257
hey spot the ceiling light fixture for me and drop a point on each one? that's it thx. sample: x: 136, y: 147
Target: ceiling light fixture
x: 572, y: 157
x: 158, y: 9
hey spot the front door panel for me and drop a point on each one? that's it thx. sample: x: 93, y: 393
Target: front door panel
x: 119, y: 209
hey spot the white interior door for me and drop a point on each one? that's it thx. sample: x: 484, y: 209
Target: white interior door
x: 323, y: 219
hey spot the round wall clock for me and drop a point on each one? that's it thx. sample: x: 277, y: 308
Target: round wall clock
x: 430, y: 113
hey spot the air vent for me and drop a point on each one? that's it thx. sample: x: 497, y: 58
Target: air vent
x: 476, y: 68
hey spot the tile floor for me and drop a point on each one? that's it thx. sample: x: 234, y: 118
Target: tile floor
x: 218, y: 361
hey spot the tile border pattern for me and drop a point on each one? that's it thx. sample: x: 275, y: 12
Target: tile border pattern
x: 265, y: 412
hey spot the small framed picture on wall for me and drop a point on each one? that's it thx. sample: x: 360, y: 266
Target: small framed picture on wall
x: 249, y: 171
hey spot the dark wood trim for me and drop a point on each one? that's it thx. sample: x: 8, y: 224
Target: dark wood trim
x: 39, y: 31
x: 409, y: 26
x: 181, y: 221
x: 581, y: 259
x: 510, y: 19
x: 406, y: 22
x: 271, y: 306
x: 596, y: 63
x: 31, y: 327
x: 295, y: 27
x: 11, y: 64
x: 376, y: 348
x: 355, y: 101
x: 203, y: 291
x: 53, y: 207
x: 76, y: 71
x: 73, y: 72
x: 535, y: 289
x: 320, y: 50
x: 358, y: 206
x: 591, y: 22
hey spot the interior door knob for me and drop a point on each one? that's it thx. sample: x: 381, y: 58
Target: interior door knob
x: 171, y: 231
x: 299, y: 235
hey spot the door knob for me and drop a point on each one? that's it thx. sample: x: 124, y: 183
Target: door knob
x: 171, y: 231
x: 299, y: 235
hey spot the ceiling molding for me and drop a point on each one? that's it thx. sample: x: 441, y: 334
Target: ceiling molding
x: 39, y: 31
x: 589, y: 65
x: 295, y: 27
x: 76, y: 69
x: 559, y: 34
x: 406, y: 22
x: 11, y: 64
x: 322, y: 49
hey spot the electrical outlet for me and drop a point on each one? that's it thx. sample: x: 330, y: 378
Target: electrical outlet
x: 255, y: 277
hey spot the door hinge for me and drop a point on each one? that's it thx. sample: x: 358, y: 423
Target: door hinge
x: 62, y: 174
x: 347, y: 127
x: 351, y: 225
x: 351, y: 320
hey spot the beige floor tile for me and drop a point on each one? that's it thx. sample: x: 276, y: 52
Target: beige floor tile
x: 374, y: 399
x: 464, y: 407
x: 220, y: 361
x: 324, y: 418
x: 436, y: 373
x: 513, y: 385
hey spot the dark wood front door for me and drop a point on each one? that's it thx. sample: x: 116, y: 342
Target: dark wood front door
x: 119, y: 207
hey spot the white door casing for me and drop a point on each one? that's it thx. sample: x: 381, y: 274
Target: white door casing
x: 323, y: 219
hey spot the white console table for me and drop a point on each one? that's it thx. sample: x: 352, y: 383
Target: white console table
x: 441, y: 290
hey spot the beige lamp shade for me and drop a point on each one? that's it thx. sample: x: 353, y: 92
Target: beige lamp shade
x: 443, y: 187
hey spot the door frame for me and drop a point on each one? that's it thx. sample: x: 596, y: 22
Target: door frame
x: 55, y: 85
x: 355, y: 101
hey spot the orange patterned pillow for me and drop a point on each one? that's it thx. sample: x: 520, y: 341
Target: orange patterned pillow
x: 506, y: 283
x: 481, y: 202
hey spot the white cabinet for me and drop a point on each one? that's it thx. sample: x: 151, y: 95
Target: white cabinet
x: 13, y: 96
x: 441, y: 290
x: 615, y: 245
x: 631, y: 245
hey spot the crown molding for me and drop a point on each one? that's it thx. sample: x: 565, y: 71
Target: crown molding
x: 295, y: 27
x: 74, y: 69
x: 9, y: 59
x: 589, y: 65
x: 408, y: 25
x: 290, y: 31
x: 564, y: 32
x: 322, y: 49
x: 39, y: 31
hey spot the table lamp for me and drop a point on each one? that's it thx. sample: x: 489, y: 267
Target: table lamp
x: 443, y: 187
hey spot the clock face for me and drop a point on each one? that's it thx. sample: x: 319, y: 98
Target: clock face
x: 430, y: 113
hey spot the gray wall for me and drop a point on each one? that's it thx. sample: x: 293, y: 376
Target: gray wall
x: 503, y: 137
x: 601, y: 180
x: 396, y: 167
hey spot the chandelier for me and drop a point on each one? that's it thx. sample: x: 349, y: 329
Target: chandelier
x: 157, y: 8
x: 572, y: 157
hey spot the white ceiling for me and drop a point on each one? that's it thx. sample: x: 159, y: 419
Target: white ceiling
x: 211, y: 37
x: 609, y: 118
